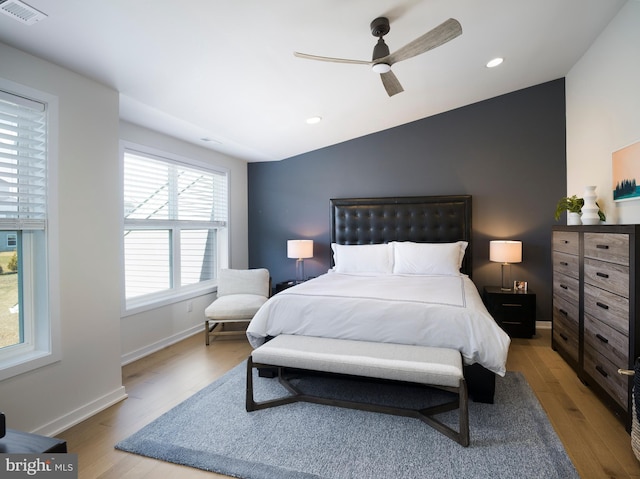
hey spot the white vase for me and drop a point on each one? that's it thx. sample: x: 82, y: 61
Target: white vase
x: 573, y: 219
x: 590, y: 208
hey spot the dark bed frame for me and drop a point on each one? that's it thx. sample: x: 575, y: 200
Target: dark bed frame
x: 421, y: 219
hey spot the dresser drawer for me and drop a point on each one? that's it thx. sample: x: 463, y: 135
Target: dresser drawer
x: 566, y: 241
x: 566, y: 264
x: 609, y: 276
x: 567, y: 310
x: 605, y: 373
x: 607, y: 341
x: 607, y: 307
x: 565, y: 327
x: 612, y: 247
x: 566, y: 287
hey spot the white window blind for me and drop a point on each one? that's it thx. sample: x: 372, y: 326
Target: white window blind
x: 173, y: 215
x: 23, y: 153
x: 156, y: 189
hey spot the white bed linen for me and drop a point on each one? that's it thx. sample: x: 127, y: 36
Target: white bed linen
x: 440, y: 311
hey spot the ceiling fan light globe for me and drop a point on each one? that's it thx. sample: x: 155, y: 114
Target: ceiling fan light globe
x: 381, y: 68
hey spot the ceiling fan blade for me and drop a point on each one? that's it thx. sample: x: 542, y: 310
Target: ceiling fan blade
x: 391, y: 83
x: 440, y: 35
x: 330, y: 59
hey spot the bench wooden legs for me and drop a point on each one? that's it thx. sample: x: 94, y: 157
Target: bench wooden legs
x: 426, y: 415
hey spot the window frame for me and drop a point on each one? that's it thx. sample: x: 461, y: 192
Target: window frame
x: 172, y: 295
x: 40, y: 268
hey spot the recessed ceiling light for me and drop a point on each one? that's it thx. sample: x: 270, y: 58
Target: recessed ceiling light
x: 495, y: 62
x: 314, y: 120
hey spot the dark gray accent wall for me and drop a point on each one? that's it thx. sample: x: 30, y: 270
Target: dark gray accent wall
x: 508, y: 152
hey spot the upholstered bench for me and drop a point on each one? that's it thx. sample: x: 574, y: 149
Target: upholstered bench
x: 436, y: 367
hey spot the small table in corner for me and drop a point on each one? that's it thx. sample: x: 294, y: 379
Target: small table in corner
x: 18, y: 442
x: 284, y: 285
x: 514, y: 311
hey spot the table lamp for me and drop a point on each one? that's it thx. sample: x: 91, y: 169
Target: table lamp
x: 505, y: 252
x: 300, y: 249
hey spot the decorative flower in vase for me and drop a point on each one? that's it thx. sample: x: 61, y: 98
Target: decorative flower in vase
x: 573, y: 204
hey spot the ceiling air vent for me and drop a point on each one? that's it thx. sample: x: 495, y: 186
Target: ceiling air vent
x: 21, y: 12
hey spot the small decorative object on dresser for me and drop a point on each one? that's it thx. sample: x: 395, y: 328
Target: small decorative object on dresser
x: 590, y: 209
x: 595, y: 307
x: 574, y: 208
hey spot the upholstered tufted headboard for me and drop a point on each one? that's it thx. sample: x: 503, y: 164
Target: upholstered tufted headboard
x: 422, y: 219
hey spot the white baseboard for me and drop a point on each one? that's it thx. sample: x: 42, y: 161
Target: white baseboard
x: 543, y: 324
x: 63, y: 423
x: 157, y: 346
x: 85, y: 412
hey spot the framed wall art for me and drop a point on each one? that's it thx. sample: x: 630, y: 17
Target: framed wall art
x: 626, y: 173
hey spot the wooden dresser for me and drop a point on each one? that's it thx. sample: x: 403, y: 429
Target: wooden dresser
x: 595, y: 307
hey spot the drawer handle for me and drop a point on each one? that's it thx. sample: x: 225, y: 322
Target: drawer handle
x: 512, y: 305
x: 602, y: 338
x: 601, y: 371
x: 602, y: 275
x: 602, y: 305
x: 602, y: 246
x: 563, y: 312
x: 564, y: 263
x: 566, y: 241
x: 564, y: 337
x: 564, y: 286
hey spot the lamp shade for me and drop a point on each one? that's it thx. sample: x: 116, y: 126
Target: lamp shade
x: 300, y: 249
x: 502, y: 251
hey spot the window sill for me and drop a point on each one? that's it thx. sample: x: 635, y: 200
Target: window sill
x: 20, y: 363
x: 147, y: 304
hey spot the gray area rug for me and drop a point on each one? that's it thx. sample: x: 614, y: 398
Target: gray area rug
x: 212, y: 431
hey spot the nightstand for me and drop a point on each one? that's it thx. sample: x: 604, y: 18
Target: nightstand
x: 284, y: 285
x: 514, y: 311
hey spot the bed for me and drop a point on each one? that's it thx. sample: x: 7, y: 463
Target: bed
x: 400, y: 273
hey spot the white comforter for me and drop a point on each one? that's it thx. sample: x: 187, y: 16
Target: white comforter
x: 441, y: 311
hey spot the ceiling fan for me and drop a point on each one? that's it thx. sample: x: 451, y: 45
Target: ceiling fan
x: 381, y: 60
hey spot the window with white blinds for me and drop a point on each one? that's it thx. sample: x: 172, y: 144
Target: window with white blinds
x: 175, y: 215
x: 23, y: 163
x: 28, y: 329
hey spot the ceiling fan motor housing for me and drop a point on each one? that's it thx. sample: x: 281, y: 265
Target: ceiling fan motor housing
x: 380, y: 27
x: 381, y: 50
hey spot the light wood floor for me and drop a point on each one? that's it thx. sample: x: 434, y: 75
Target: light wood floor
x: 594, y: 439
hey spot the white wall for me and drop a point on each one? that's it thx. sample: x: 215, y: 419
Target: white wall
x: 88, y: 378
x: 149, y: 331
x: 603, y: 111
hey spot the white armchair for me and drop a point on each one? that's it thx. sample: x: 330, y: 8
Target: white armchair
x: 241, y: 292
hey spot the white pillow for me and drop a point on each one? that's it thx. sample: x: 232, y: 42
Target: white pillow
x: 366, y: 258
x: 428, y: 258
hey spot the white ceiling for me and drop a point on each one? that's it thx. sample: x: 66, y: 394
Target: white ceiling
x: 225, y: 69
